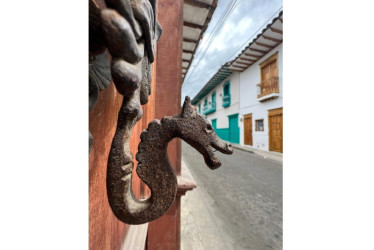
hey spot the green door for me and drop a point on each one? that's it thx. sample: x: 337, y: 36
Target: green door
x: 233, y: 128
x: 214, y: 124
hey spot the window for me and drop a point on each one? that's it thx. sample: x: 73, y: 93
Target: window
x: 214, y: 97
x: 209, y: 107
x: 269, y: 76
x: 260, y: 125
x: 226, y: 99
x: 199, y: 108
x: 269, y: 67
x: 226, y: 89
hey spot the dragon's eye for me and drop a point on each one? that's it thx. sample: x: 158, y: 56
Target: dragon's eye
x: 209, y: 128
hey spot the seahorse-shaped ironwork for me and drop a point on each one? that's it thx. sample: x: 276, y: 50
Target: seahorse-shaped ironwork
x: 153, y: 165
x: 130, y: 30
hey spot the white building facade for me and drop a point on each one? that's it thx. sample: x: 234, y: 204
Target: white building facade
x: 262, y: 115
x: 260, y: 70
x: 244, y: 99
x: 218, y: 101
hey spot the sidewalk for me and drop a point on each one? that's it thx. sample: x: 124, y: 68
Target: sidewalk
x: 201, y: 228
x: 266, y: 154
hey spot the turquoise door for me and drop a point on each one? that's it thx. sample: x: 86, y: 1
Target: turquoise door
x: 233, y: 128
x: 214, y: 124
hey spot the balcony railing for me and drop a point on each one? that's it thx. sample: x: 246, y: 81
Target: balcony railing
x: 226, y: 101
x: 210, y: 108
x: 268, y: 87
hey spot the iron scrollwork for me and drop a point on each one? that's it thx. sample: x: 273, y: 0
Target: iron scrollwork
x: 129, y: 30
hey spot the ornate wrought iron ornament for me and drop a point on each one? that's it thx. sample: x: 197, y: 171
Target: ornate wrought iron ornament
x: 129, y: 30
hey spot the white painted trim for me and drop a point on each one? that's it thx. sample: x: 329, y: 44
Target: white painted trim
x: 272, y: 95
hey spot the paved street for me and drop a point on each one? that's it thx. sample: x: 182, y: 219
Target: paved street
x: 237, y: 206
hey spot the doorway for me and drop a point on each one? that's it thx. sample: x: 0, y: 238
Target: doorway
x: 248, y: 130
x: 276, y: 130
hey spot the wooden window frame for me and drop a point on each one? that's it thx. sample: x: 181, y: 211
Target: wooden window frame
x: 257, y: 127
x: 270, y: 59
x: 266, y: 62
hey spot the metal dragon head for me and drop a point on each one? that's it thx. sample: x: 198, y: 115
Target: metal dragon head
x: 199, y: 133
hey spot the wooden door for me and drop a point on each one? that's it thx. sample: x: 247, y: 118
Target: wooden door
x: 248, y: 130
x: 276, y: 130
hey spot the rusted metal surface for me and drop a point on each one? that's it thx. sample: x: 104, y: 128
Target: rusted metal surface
x: 130, y: 35
x: 154, y: 167
x: 99, y: 68
x: 99, y: 79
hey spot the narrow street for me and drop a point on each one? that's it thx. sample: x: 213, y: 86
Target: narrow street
x: 237, y: 206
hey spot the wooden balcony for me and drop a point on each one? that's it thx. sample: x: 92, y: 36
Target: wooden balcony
x: 268, y: 89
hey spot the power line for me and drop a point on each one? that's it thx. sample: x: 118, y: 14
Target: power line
x: 219, y: 25
x: 213, y: 34
x: 222, y: 21
x: 210, y: 74
x: 240, y: 47
x: 210, y: 39
x: 255, y: 33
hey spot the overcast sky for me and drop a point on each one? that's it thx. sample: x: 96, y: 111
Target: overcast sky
x: 224, y: 42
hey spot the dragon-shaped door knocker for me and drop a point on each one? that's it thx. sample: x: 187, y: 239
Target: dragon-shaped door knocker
x: 129, y: 30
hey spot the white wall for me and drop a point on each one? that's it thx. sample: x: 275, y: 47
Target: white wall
x: 248, y: 99
x: 221, y: 113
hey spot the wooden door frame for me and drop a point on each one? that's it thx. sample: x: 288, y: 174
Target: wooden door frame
x: 244, y: 117
x: 274, y: 112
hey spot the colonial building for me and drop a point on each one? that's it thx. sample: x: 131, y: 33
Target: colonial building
x: 261, y: 89
x: 218, y: 100
x: 244, y: 99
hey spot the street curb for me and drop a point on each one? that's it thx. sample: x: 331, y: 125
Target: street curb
x: 264, y: 154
